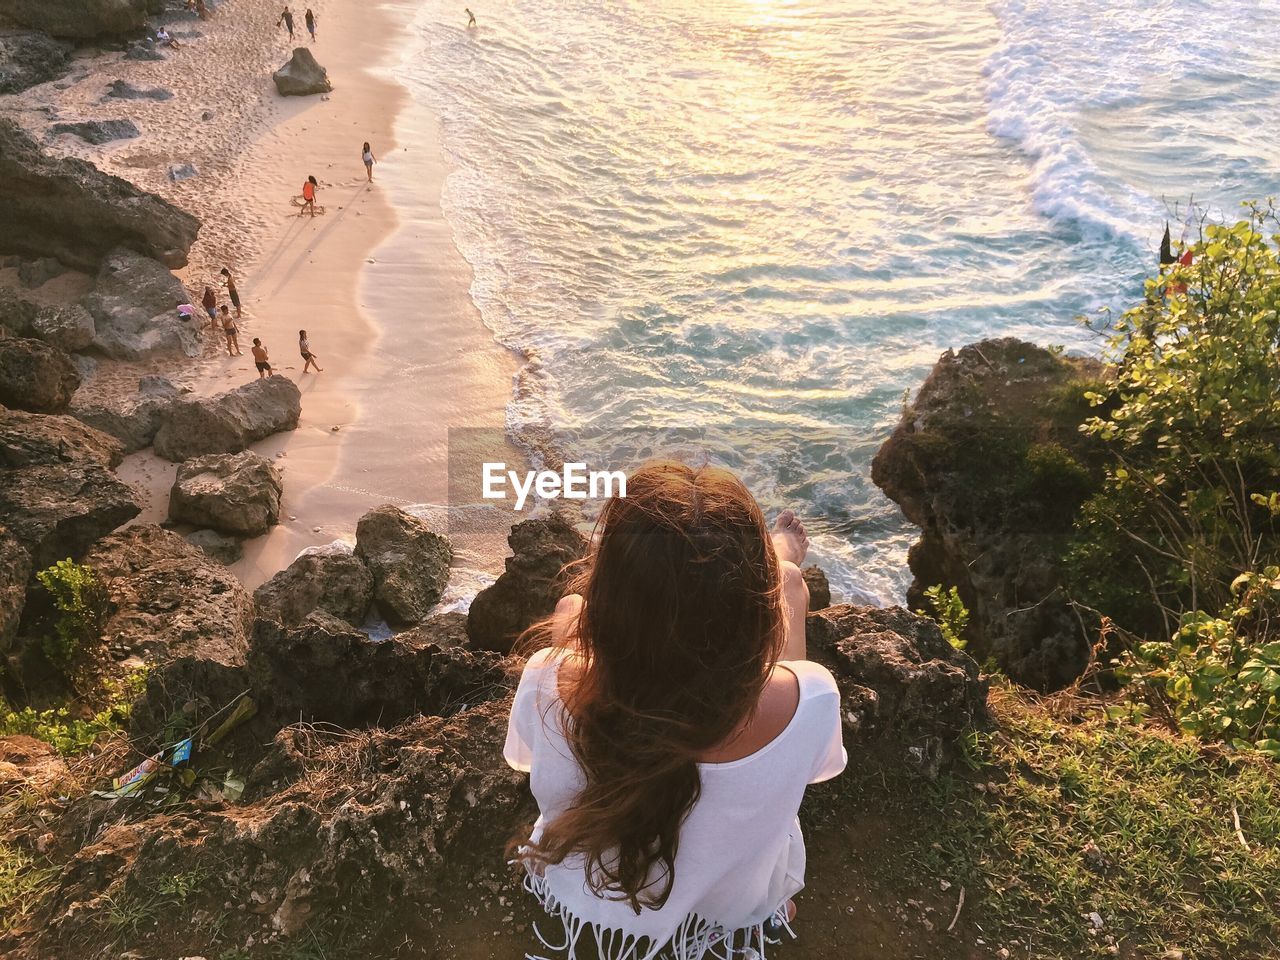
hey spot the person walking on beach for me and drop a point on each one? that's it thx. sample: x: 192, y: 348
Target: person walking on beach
x: 672, y: 723
x: 471, y: 18
x: 309, y: 196
x: 310, y: 19
x: 210, y: 303
x: 286, y: 17
x: 260, y: 359
x: 229, y: 282
x: 309, y: 358
x: 231, y: 331
x: 366, y: 155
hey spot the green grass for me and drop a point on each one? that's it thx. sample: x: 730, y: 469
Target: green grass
x: 22, y: 882
x: 1012, y: 821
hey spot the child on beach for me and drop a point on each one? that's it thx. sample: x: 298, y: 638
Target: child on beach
x: 210, y: 303
x: 232, y: 332
x: 229, y: 282
x: 260, y: 359
x: 310, y: 18
x: 309, y: 196
x: 471, y: 18
x: 309, y: 358
x: 366, y: 156
x: 672, y: 724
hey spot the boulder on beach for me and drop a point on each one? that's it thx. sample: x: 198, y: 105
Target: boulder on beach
x: 38, y: 272
x: 29, y: 58
x: 133, y: 422
x: 69, y: 209
x: 819, y: 589
x: 98, y: 131
x: 332, y: 580
x: 16, y: 313
x: 302, y: 75
x: 531, y: 585
x: 31, y: 439
x: 35, y: 376
x: 134, y: 306
x: 123, y: 90
x: 228, y: 422
x: 408, y: 560
x: 67, y: 326
x: 237, y: 493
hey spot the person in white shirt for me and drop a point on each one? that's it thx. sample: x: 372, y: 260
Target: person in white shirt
x: 671, y: 725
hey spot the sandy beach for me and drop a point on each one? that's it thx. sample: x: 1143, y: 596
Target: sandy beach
x: 376, y: 280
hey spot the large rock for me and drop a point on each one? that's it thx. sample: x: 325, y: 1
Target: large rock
x: 409, y: 563
x: 15, y: 572
x: 77, y: 19
x: 302, y: 75
x: 68, y: 327
x: 168, y: 600
x: 35, y: 376
x: 133, y: 303
x: 531, y: 585
x: 133, y: 422
x: 237, y: 493
x: 217, y: 546
x: 124, y: 90
x: 989, y: 462
x: 228, y: 422
x: 30, y: 439
x: 902, y: 686
x: 58, y: 510
x: 27, y: 59
x: 67, y: 208
x: 330, y: 579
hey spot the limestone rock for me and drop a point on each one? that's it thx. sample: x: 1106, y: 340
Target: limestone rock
x: 31, y: 439
x: 168, y: 600
x: 228, y: 422
x: 336, y: 582
x: 123, y: 90
x: 58, y: 510
x: 133, y: 422
x: 67, y: 208
x: 35, y: 376
x: 76, y: 19
x: 989, y: 462
x: 15, y: 572
x: 69, y: 327
x: 98, y: 131
x: 28, y: 59
x: 409, y: 563
x: 531, y: 585
x: 302, y: 75
x: 217, y: 546
x: 901, y: 683
x: 819, y: 589
x: 232, y: 493
x: 16, y: 313
x: 38, y: 272
x: 134, y: 305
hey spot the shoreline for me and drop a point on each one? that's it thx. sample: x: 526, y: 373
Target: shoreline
x: 378, y: 281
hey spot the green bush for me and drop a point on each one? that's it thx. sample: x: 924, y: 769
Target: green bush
x: 81, y: 602
x: 1053, y: 478
x: 72, y: 736
x: 1191, y: 417
x: 1220, y: 676
x: 949, y: 611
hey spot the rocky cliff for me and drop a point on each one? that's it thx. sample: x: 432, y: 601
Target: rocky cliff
x: 989, y: 463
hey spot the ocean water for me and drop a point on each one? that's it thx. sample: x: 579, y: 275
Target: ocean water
x: 745, y: 229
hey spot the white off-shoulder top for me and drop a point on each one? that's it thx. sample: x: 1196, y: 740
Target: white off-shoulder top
x: 741, y: 853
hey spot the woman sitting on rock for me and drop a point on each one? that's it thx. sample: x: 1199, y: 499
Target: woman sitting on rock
x: 672, y: 725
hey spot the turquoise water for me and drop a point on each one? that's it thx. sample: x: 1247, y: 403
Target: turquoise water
x: 767, y: 219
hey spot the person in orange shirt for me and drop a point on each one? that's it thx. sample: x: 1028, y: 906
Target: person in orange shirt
x: 309, y: 196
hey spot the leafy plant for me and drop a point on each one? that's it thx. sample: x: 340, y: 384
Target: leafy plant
x: 69, y: 735
x: 952, y: 616
x: 81, y: 601
x: 1221, y: 674
x: 1191, y: 416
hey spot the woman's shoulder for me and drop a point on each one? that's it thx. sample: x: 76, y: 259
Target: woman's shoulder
x: 815, y: 680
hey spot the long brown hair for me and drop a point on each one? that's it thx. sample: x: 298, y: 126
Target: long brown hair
x: 681, y: 624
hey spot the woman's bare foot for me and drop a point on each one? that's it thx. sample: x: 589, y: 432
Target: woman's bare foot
x: 790, y: 542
